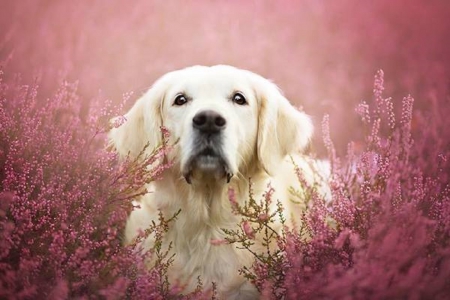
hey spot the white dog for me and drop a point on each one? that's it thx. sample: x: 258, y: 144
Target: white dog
x: 230, y: 125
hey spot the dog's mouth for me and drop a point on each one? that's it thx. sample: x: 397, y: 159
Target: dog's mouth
x: 207, y: 164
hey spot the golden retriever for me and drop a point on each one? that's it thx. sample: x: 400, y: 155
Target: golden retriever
x: 228, y: 125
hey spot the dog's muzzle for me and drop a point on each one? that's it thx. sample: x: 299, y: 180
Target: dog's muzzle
x: 207, y: 157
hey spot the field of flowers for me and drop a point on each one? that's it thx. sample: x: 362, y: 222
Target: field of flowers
x: 67, y: 67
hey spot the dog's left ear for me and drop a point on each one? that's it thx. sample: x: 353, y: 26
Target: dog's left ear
x: 282, y: 129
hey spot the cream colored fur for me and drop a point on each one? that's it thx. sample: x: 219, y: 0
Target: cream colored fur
x: 257, y: 142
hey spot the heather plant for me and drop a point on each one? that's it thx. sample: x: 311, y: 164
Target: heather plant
x: 64, y: 200
x: 385, y: 232
x: 259, y: 221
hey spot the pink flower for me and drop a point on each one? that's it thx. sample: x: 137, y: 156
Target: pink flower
x: 248, y: 230
x: 165, y: 132
x: 232, y: 198
x: 218, y: 242
x: 119, y: 121
x: 263, y: 217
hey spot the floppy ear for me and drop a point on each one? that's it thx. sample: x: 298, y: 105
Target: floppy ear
x: 142, y: 126
x: 282, y: 129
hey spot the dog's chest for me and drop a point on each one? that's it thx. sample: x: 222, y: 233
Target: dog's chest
x: 201, y: 251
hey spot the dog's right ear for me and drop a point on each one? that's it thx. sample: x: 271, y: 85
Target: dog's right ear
x: 282, y: 129
x: 141, y: 127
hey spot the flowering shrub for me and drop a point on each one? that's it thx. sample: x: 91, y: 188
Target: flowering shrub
x: 64, y: 201
x: 385, y: 233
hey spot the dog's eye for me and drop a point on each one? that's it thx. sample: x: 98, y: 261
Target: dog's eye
x: 180, y: 100
x: 239, y: 99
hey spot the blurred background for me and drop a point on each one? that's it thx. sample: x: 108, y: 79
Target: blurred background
x: 322, y: 54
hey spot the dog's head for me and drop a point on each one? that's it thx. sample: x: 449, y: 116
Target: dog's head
x: 223, y: 119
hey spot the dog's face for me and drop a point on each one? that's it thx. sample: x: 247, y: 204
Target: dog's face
x: 223, y: 119
x: 212, y: 113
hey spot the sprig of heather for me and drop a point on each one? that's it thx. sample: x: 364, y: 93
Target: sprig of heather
x: 150, y: 278
x: 261, y: 223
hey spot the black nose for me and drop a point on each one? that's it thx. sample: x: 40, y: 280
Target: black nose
x: 209, y: 121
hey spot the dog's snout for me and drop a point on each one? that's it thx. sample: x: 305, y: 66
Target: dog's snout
x: 209, y: 121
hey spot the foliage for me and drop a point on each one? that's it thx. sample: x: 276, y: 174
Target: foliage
x: 385, y: 232
x: 64, y: 201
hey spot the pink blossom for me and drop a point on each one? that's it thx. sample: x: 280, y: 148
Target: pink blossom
x: 263, y: 217
x: 248, y: 230
x: 232, y: 198
x: 218, y: 242
x: 119, y: 121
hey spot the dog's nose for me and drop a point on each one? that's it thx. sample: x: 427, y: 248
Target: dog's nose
x: 209, y: 121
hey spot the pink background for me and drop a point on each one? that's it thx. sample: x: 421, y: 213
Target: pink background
x: 323, y: 54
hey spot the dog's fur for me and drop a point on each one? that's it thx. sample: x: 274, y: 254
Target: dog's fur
x: 254, y: 143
